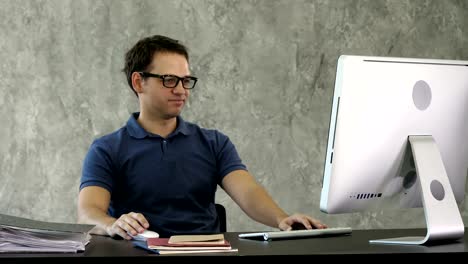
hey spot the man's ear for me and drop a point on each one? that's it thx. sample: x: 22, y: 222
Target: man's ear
x: 137, y: 81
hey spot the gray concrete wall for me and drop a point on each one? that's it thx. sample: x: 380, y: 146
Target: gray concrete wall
x: 266, y: 72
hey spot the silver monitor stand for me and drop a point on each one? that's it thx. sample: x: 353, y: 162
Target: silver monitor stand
x: 443, y: 218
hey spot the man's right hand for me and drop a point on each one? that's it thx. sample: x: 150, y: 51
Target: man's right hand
x: 132, y: 223
x: 93, y: 205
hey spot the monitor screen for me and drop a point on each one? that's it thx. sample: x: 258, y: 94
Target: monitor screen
x: 398, y: 137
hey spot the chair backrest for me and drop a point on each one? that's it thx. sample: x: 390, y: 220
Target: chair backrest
x: 222, y: 217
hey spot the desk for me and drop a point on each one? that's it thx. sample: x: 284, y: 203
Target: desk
x: 347, y: 247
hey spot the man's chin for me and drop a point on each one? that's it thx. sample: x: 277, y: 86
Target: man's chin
x: 172, y: 115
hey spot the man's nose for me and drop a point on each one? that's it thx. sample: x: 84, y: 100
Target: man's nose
x: 179, y: 89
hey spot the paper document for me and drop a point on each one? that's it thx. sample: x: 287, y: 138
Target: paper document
x: 22, y: 235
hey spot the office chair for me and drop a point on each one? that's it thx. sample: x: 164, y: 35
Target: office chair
x: 222, y: 217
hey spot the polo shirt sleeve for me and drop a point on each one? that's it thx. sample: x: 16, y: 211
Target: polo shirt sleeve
x: 97, y: 167
x: 227, y: 158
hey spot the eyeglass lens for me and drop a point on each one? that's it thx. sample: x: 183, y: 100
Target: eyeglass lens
x: 173, y: 81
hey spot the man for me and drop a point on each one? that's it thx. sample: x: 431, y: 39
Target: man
x: 160, y: 172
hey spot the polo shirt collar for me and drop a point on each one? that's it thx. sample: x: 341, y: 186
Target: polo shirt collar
x: 182, y: 127
x: 136, y: 131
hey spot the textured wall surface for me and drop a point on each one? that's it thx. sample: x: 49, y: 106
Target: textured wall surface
x: 266, y: 72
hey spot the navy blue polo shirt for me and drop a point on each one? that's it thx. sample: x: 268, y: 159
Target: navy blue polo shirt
x: 172, y: 181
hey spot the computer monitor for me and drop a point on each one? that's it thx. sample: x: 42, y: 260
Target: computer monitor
x: 398, y: 137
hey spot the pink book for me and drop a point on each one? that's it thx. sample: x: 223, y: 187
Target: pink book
x: 163, y: 243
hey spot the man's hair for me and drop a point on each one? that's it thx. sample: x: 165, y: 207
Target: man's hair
x: 140, y: 56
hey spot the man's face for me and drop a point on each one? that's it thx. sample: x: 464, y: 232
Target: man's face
x: 160, y: 101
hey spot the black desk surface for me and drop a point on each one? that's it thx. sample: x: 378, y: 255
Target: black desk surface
x: 348, y: 246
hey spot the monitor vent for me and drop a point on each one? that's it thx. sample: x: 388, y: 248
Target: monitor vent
x: 362, y: 196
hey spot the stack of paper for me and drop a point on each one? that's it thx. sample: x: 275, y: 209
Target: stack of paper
x: 26, y: 235
x: 188, y: 244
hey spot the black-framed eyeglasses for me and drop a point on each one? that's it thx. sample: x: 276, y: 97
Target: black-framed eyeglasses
x: 171, y: 81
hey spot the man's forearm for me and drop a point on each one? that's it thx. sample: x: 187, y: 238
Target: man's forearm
x: 96, y: 217
x: 261, y: 207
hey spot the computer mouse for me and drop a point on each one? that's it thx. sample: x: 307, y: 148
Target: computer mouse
x: 144, y: 235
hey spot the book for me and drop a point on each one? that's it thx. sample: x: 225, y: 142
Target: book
x: 205, y: 239
x: 203, y: 251
x: 188, y: 244
x: 142, y: 244
x: 164, y: 244
x: 22, y: 235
